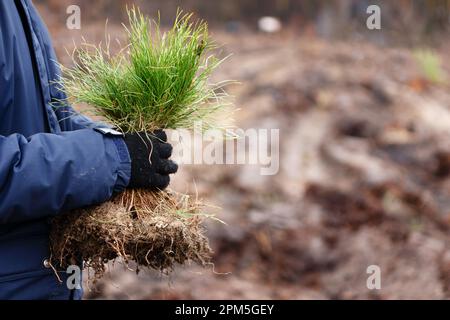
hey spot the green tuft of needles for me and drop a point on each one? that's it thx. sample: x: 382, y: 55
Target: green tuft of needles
x: 159, y: 80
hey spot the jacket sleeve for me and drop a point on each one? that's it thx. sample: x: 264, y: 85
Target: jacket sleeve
x: 70, y: 120
x: 47, y: 174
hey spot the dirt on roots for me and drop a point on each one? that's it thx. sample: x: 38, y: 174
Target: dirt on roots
x: 156, y: 230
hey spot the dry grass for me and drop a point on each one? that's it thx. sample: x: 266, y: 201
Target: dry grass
x: 154, y: 229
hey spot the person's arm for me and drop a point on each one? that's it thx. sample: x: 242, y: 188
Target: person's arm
x: 48, y: 174
x: 71, y: 120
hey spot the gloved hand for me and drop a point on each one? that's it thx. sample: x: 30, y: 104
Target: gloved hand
x: 150, y: 164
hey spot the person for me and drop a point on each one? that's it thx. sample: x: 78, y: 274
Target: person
x: 52, y: 159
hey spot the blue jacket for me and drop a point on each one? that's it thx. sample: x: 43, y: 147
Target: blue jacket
x: 51, y: 159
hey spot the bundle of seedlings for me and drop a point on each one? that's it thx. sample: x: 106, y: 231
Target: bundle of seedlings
x: 157, y: 81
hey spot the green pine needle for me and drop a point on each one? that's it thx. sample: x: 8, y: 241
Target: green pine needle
x: 159, y: 80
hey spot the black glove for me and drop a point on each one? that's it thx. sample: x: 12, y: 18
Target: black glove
x: 150, y: 171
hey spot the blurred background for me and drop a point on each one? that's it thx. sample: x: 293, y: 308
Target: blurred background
x: 364, y: 119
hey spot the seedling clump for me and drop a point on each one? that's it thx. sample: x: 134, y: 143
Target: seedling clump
x: 159, y: 80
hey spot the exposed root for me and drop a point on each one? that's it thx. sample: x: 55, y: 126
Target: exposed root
x: 153, y: 229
